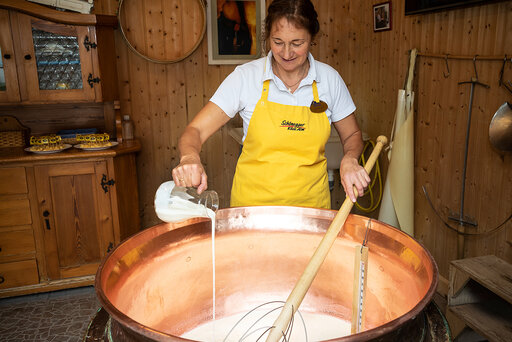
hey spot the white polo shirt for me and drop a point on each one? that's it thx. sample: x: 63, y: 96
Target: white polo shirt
x: 241, y: 90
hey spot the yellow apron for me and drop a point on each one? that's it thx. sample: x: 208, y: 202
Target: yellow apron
x: 282, y: 160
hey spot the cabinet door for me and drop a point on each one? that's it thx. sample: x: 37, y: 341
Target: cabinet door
x: 76, y: 217
x: 9, y: 89
x: 57, y: 60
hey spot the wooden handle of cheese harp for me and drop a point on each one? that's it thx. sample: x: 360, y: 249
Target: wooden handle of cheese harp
x: 301, y: 287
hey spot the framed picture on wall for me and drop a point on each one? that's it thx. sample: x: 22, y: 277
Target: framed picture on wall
x: 234, y: 30
x: 382, y: 16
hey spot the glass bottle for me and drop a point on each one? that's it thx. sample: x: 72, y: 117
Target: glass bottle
x: 127, y: 128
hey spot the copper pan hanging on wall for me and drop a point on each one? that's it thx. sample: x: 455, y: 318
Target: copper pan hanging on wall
x: 162, y: 31
x: 500, y: 128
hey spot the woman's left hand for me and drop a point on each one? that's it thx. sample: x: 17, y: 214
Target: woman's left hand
x: 353, y: 175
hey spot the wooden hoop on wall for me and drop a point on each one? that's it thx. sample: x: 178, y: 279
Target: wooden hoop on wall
x: 171, y: 60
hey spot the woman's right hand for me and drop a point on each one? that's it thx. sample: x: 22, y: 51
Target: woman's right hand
x: 190, y: 173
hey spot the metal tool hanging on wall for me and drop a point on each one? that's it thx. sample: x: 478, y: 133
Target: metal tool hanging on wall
x: 460, y: 217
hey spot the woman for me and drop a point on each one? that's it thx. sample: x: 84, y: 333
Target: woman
x: 287, y: 101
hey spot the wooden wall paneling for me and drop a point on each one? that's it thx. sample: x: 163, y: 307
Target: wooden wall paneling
x: 484, y: 244
x: 447, y: 165
x: 155, y: 30
x: 323, y: 44
x: 142, y: 121
x: 178, y: 104
x: 214, y: 148
x: 231, y: 147
x: 194, y: 71
x: 159, y: 121
x: 445, y: 241
x: 446, y: 92
x: 123, y: 75
x: 428, y: 119
x: 354, y: 74
x: 176, y: 118
x: 473, y: 168
x: 140, y: 89
x: 431, y: 118
x: 454, y: 140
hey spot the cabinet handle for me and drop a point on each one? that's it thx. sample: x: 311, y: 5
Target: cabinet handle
x: 28, y: 57
x: 46, y: 213
x: 92, y: 80
x: 88, y: 44
x: 7, y: 56
x: 104, y: 183
x: 2, y: 279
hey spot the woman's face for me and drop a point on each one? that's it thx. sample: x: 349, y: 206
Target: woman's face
x: 289, y: 45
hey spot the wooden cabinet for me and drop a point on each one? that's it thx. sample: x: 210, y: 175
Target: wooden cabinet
x: 61, y: 213
x: 49, y: 57
x: 78, y: 226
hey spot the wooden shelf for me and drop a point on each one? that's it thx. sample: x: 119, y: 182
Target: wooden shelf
x: 480, y: 294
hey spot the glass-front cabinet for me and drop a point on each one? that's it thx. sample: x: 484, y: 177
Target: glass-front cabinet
x: 49, y: 62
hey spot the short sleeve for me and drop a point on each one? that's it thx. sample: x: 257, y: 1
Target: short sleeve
x: 228, y: 94
x: 342, y: 105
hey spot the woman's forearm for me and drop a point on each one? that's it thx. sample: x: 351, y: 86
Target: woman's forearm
x: 189, y: 145
x: 353, y: 145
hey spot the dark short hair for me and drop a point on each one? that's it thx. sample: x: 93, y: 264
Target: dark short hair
x: 300, y: 12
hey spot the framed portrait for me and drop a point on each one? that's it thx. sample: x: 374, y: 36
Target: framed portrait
x: 382, y: 16
x: 234, y: 29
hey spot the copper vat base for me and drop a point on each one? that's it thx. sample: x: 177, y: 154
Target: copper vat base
x: 430, y: 326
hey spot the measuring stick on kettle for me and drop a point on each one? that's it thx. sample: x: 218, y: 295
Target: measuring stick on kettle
x: 301, y: 287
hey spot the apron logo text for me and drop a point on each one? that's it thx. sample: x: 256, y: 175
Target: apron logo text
x: 292, y: 126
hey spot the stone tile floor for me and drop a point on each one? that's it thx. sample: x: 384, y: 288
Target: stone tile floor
x: 60, y: 316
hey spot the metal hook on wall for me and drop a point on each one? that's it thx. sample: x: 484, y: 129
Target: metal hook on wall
x: 506, y: 84
x: 474, y: 67
x: 446, y: 74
